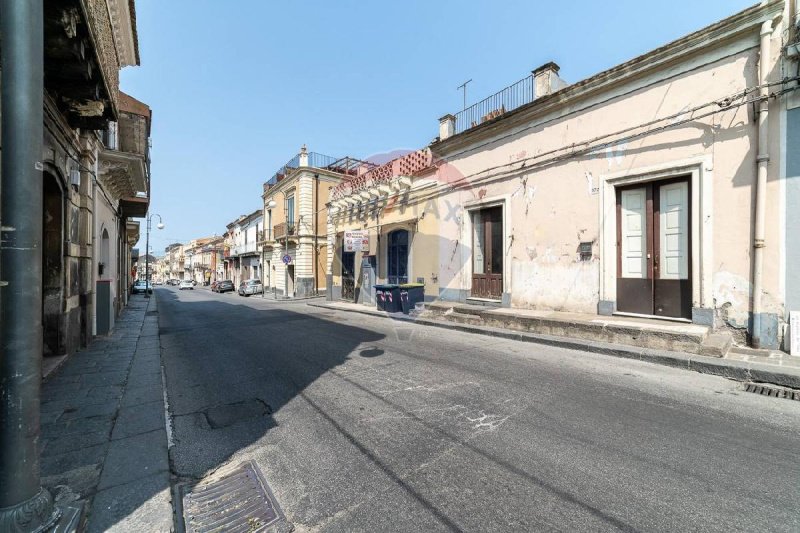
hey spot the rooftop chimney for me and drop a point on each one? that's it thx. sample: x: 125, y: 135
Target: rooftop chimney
x: 447, y: 127
x: 546, y: 80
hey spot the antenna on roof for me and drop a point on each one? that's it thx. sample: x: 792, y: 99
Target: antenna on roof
x: 463, y: 87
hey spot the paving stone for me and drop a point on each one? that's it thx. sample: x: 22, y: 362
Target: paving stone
x: 72, y: 442
x: 145, y: 380
x: 105, y: 392
x: 141, y: 505
x: 139, y: 419
x: 140, y: 395
x: 80, y: 425
x: 59, y: 463
x: 134, y: 458
x: 82, y: 480
x: 107, y: 409
x: 104, y: 378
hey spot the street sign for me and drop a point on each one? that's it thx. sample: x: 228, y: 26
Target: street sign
x: 356, y: 241
x: 286, y: 259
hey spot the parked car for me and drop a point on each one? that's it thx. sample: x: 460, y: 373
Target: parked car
x: 141, y: 287
x: 186, y: 284
x: 225, y: 285
x: 250, y: 286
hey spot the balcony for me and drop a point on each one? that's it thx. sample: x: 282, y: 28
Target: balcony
x: 284, y: 231
x: 245, y: 249
x: 83, y: 53
x: 124, y: 163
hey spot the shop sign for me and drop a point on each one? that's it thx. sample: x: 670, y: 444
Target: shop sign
x: 356, y: 241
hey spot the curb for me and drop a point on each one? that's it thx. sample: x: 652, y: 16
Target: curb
x: 735, y: 370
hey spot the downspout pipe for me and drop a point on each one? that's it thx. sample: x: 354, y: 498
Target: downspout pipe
x: 24, y: 504
x: 762, y: 159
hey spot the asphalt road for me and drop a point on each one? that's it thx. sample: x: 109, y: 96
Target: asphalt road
x: 365, y: 424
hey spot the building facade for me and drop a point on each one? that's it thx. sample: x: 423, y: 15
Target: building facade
x: 87, y: 210
x: 243, y: 260
x: 295, y: 240
x: 641, y: 190
x: 382, y: 228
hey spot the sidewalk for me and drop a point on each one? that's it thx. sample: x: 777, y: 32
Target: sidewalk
x: 738, y: 364
x: 104, y: 442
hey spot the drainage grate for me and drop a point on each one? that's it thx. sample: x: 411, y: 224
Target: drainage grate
x: 775, y: 391
x: 237, y: 499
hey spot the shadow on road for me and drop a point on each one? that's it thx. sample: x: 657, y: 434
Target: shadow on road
x: 231, y: 367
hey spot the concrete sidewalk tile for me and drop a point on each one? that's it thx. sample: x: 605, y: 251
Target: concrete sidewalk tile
x: 139, y: 419
x: 134, y: 458
x: 141, y: 505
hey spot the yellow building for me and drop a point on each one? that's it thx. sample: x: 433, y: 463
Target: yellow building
x: 383, y: 228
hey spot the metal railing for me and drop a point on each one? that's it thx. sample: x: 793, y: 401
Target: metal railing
x: 284, y: 229
x: 314, y: 160
x: 510, y: 98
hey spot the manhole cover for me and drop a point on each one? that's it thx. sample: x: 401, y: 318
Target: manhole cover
x: 233, y: 500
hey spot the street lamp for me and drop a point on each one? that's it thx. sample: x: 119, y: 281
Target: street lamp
x: 160, y: 225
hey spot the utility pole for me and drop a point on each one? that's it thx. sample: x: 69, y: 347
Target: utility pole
x: 24, y: 504
x: 463, y: 87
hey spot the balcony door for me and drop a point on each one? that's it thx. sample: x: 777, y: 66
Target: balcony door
x: 487, y: 253
x: 654, y: 249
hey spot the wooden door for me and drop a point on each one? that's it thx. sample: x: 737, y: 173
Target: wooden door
x: 653, y: 249
x: 487, y: 253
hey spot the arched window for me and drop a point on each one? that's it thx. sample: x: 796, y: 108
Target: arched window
x: 397, y: 257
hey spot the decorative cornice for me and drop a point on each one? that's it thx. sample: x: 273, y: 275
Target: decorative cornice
x: 102, y: 34
x: 123, y: 24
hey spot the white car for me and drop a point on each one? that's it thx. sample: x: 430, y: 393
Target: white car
x: 186, y: 284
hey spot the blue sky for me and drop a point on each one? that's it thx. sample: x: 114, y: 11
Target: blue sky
x: 237, y: 87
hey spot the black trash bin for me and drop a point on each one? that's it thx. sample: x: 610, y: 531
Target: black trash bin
x: 387, y: 297
x: 410, y: 295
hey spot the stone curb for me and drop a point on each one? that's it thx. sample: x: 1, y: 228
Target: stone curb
x: 736, y: 370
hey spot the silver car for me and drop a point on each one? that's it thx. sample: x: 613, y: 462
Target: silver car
x: 250, y: 286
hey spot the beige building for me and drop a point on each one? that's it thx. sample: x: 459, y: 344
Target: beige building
x: 382, y: 228
x: 294, y: 244
x: 656, y: 188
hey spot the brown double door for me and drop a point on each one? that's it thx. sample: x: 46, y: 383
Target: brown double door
x: 487, y: 253
x: 654, y: 249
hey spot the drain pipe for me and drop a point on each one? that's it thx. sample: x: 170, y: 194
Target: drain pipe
x: 762, y: 159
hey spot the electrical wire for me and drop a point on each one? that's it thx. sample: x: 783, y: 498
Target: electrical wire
x: 486, y: 176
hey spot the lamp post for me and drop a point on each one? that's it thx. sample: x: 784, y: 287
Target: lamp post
x: 160, y: 225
